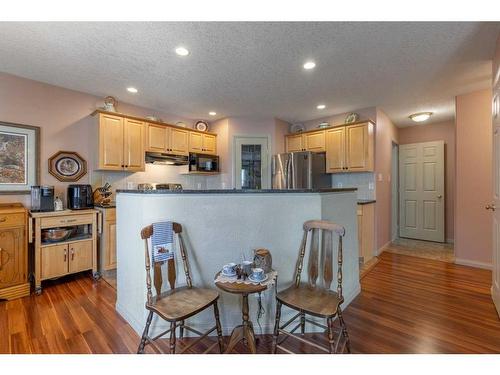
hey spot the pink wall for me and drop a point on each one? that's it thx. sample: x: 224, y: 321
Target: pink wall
x: 64, y: 118
x: 339, y: 118
x: 385, y: 133
x: 444, y: 131
x: 473, y: 224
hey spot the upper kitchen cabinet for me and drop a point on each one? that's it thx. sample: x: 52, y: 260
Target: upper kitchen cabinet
x: 350, y: 148
x: 310, y: 141
x: 120, y: 143
x: 167, y: 139
x: 202, y: 143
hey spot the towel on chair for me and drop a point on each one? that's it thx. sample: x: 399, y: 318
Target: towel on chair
x: 162, y: 241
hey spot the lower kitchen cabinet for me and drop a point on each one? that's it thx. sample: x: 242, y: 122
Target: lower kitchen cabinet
x: 76, y: 253
x: 366, y: 231
x: 13, y: 251
x: 107, y: 238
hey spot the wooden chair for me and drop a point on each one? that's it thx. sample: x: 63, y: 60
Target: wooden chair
x: 314, y: 299
x: 177, y: 304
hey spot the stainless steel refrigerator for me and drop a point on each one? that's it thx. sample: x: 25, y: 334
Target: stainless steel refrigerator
x: 300, y: 170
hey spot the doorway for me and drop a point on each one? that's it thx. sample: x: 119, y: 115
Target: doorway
x: 251, y: 163
x: 421, y: 191
x: 394, y: 191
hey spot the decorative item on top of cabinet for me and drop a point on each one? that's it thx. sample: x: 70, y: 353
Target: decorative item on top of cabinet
x: 350, y: 148
x: 107, y: 238
x: 201, y: 125
x: 14, y: 282
x: 120, y: 143
x: 109, y: 104
x: 308, y: 141
x: 67, y: 166
x: 351, y: 117
x: 76, y: 253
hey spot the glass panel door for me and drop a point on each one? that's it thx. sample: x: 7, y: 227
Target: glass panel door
x: 251, y: 159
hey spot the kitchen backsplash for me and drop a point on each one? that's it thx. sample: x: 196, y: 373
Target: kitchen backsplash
x: 363, y: 181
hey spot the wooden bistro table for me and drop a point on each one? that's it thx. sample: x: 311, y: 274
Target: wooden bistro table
x: 244, y: 331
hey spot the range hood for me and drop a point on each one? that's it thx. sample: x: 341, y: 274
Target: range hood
x: 166, y: 159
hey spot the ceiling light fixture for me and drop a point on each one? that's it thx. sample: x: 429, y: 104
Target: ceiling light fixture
x: 181, y: 51
x: 421, y: 116
x: 309, y: 65
x: 321, y: 106
x: 133, y: 90
x: 212, y: 113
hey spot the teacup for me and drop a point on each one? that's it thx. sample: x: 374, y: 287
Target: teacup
x: 246, y: 265
x: 257, y: 274
x: 229, y: 269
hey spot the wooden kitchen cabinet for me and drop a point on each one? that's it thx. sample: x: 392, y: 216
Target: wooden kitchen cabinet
x: 75, y: 254
x: 107, y: 239
x: 14, y: 281
x: 167, y: 139
x: 202, y: 143
x: 310, y: 141
x: 120, y: 143
x: 350, y: 148
x: 366, y: 231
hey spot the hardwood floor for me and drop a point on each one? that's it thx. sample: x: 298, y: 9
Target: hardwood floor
x: 407, y: 305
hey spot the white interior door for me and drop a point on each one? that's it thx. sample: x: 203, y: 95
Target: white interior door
x: 495, y: 206
x: 251, y: 163
x: 421, y: 194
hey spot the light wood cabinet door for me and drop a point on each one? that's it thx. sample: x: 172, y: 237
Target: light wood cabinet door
x: 366, y: 231
x: 111, y: 243
x: 314, y: 142
x: 294, y: 143
x: 12, y: 257
x: 209, y: 144
x: 111, y: 132
x: 335, y: 150
x: 80, y: 256
x: 195, y: 142
x: 358, y: 153
x: 54, y: 261
x: 156, y: 138
x: 133, y: 145
x: 178, y: 141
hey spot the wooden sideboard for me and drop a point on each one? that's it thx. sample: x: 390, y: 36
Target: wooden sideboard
x: 349, y: 148
x: 14, y: 280
x: 75, y: 254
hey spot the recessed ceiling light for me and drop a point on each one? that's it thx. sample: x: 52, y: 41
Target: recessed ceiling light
x: 212, y: 113
x: 133, y: 90
x: 421, y: 116
x: 321, y: 106
x: 181, y: 51
x: 309, y: 65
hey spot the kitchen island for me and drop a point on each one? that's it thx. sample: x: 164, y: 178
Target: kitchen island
x: 222, y: 226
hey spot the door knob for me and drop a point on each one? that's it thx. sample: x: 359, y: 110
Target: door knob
x: 440, y: 196
x: 491, y: 207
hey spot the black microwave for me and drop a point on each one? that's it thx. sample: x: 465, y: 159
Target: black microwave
x: 203, y: 163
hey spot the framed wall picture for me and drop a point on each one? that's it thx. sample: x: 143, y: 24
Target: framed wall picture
x: 19, y: 158
x: 67, y: 166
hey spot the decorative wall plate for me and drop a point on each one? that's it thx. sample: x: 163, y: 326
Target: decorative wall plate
x: 201, y: 126
x: 297, y: 128
x: 351, y: 117
x: 181, y: 124
x: 67, y: 166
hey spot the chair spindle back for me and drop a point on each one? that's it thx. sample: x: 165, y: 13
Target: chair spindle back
x: 146, y: 233
x: 321, y: 253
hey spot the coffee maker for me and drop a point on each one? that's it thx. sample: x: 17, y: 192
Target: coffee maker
x: 42, y: 198
x: 80, y: 197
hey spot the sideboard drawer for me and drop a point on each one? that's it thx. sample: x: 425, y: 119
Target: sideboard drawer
x: 49, y: 222
x: 12, y: 220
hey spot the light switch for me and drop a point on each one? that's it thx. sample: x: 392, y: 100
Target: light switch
x: 380, y: 177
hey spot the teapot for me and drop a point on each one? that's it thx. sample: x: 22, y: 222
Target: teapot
x: 262, y: 259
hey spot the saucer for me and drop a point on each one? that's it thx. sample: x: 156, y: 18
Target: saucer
x: 257, y: 281
x: 228, y: 274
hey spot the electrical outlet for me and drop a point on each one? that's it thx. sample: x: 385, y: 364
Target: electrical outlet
x: 371, y: 186
x: 340, y: 184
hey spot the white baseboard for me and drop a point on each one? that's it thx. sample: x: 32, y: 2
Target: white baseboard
x: 473, y: 263
x: 495, y: 295
x: 382, y: 249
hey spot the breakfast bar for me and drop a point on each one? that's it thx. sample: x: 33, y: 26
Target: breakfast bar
x: 222, y: 226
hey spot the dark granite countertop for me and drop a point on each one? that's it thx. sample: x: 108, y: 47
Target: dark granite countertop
x: 111, y: 205
x: 366, y: 201
x: 235, y: 191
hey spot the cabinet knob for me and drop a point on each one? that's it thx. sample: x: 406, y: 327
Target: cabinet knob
x: 72, y: 254
x: 491, y: 207
x: 3, y: 219
x: 65, y: 255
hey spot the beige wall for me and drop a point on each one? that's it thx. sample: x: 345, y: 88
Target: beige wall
x: 473, y: 224
x: 385, y: 133
x: 64, y: 118
x: 444, y: 131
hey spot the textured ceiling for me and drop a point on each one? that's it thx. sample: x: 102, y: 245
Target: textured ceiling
x: 255, y: 69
